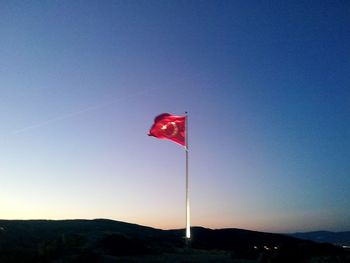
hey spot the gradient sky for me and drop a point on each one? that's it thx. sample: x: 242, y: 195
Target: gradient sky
x: 266, y: 85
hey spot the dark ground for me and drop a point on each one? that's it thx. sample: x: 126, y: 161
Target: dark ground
x: 103, y: 241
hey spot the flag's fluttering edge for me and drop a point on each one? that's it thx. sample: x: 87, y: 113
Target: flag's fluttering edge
x: 170, y: 127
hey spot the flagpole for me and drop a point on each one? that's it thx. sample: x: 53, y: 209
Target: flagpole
x: 188, y: 232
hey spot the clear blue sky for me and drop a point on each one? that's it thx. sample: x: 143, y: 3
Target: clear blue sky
x: 266, y: 84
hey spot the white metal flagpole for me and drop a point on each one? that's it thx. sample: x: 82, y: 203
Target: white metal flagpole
x: 188, y: 232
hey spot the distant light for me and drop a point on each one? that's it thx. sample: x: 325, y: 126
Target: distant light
x: 255, y: 247
x: 275, y: 247
x: 266, y: 248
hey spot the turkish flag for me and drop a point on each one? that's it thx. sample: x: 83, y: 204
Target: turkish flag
x: 170, y: 127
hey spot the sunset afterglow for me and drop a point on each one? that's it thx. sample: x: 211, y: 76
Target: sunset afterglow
x: 266, y: 87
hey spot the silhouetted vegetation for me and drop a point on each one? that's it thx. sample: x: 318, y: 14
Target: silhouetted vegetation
x: 66, y: 241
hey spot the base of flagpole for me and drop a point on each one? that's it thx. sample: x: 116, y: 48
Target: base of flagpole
x: 187, y: 244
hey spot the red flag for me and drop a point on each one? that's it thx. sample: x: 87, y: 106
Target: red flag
x: 170, y: 127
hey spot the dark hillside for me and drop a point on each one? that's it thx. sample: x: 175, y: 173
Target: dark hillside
x: 339, y: 238
x: 45, y: 240
x: 252, y: 244
x: 101, y: 240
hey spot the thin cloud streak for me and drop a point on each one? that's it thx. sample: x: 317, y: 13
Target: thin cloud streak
x: 79, y: 112
x: 96, y: 107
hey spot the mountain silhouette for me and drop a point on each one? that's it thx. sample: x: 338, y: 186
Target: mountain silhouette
x: 338, y: 238
x: 103, y: 240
